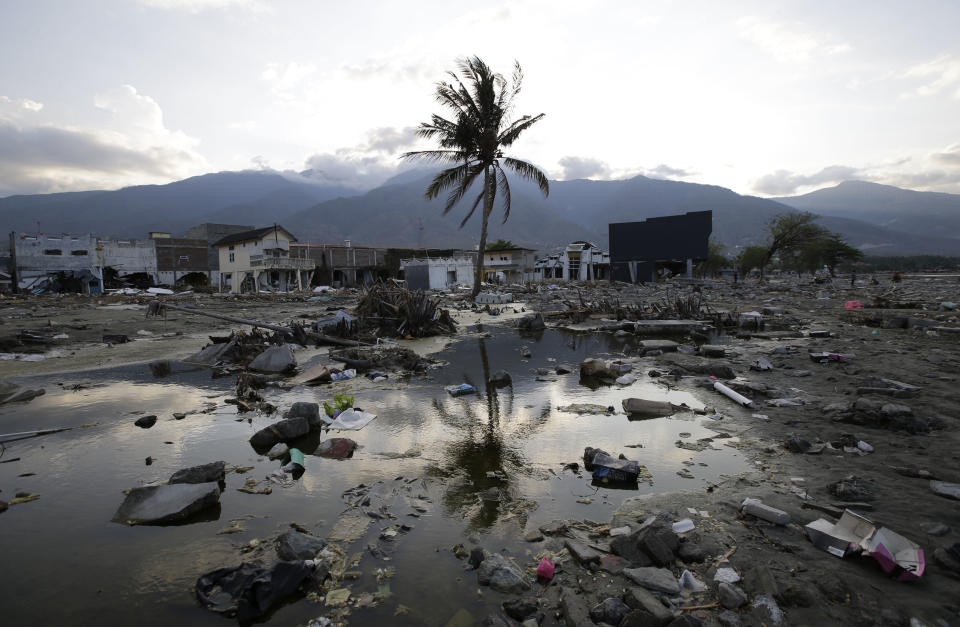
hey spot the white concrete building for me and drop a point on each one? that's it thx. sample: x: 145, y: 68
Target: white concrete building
x: 438, y: 273
x: 509, y: 265
x: 579, y: 261
x: 252, y: 261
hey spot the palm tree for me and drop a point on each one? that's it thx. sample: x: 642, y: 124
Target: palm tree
x: 481, y: 102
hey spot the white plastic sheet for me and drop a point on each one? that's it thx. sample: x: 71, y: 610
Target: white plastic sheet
x: 350, y: 420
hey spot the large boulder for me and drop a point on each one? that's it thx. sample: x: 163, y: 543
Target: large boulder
x: 533, y: 322
x: 502, y: 575
x: 310, y: 411
x: 280, y: 431
x: 295, y: 545
x: 275, y: 360
x: 153, y: 505
x: 595, y: 368
x: 205, y: 473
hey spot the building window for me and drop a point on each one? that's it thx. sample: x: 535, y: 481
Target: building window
x: 231, y: 248
x: 184, y: 257
x: 79, y: 253
x: 53, y: 251
x: 232, y: 257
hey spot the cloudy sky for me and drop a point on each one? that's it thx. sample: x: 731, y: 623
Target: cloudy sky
x: 766, y: 98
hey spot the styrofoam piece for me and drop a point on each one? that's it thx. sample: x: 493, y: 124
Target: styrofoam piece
x: 349, y: 420
x: 683, y: 526
x: 755, y: 507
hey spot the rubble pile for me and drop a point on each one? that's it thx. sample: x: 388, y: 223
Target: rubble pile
x: 391, y: 311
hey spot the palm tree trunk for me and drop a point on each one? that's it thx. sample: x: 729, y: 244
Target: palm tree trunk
x: 487, y: 208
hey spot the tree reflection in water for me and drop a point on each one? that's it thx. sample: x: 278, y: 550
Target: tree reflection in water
x: 481, y: 466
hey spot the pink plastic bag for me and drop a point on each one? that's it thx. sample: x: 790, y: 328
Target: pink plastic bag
x: 545, y: 569
x: 853, y: 304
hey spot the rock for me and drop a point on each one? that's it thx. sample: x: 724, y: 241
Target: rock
x: 851, y: 489
x: 554, y: 528
x: 642, y: 600
x: 166, y: 503
x: 644, y: 547
x: 534, y: 535
x: 280, y: 431
x: 726, y: 618
x: 279, y: 451
x: 948, y: 558
x: 691, y: 552
x: 533, y: 322
x: 594, y: 368
x: 574, y: 608
x: 310, y: 411
x: 895, y: 410
x: 656, y: 579
x: 613, y: 564
x: 664, y: 346
x: 641, y: 618
x: 336, y: 448
x: 13, y: 393
x: 502, y: 575
x: 765, y: 611
x: 477, y: 555
x: 495, y: 621
x: 500, y: 378
x: 706, y: 367
x: 833, y: 587
x: 731, y: 597
x: 205, y: 473
x: 935, y: 528
x: 295, y: 545
x: 561, y: 370
x: 522, y: 608
x: 275, y: 360
x: 947, y: 490
x: 610, y: 611
x: 583, y: 554
x: 145, y: 422
x: 761, y: 581
x: 797, y: 444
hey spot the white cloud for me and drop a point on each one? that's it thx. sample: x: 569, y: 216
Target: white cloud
x: 788, y: 42
x: 583, y: 168
x: 284, y: 77
x: 940, y: 74
x: 131, y: 146
x: 197, y: 6
x: 949, y: 155
x: 784, y: 182
x: 366, y: 165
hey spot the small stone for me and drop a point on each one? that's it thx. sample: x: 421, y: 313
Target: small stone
x: 610, y: 611
x: 691, y: 552
x: 726, y: 618
x: 500, y: 378
x: 534, y: 535
x: 641, y: 600
x: 731, y: 597
x: 461, y: 552
x: 476, y: 557
x: 145, y: 422
x: 295, y: 545
x: 583, y: 554
x: 502, y: 575
x: 522, y: 608
x: 554, y: 528
x: 205, y: 473
x: 935, y: 528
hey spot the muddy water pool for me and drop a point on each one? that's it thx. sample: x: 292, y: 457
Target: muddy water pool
x: 482, y: 463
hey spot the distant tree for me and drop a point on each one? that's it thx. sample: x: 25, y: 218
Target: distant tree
x: 715, y: 261
x: 749, y: 258
x: 501, y: 244
x: 481, y: 102
x: 787, y: 232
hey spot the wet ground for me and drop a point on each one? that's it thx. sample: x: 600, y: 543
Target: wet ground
x: 488, y: 465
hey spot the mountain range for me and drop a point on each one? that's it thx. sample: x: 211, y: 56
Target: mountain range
x: 879, y: 219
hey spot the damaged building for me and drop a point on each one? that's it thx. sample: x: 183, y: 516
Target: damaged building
x: 579, y: 261
x: 639, y: 250
x: 260, y: 260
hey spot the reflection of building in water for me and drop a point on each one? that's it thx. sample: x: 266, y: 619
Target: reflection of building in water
x: 579, y: 261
